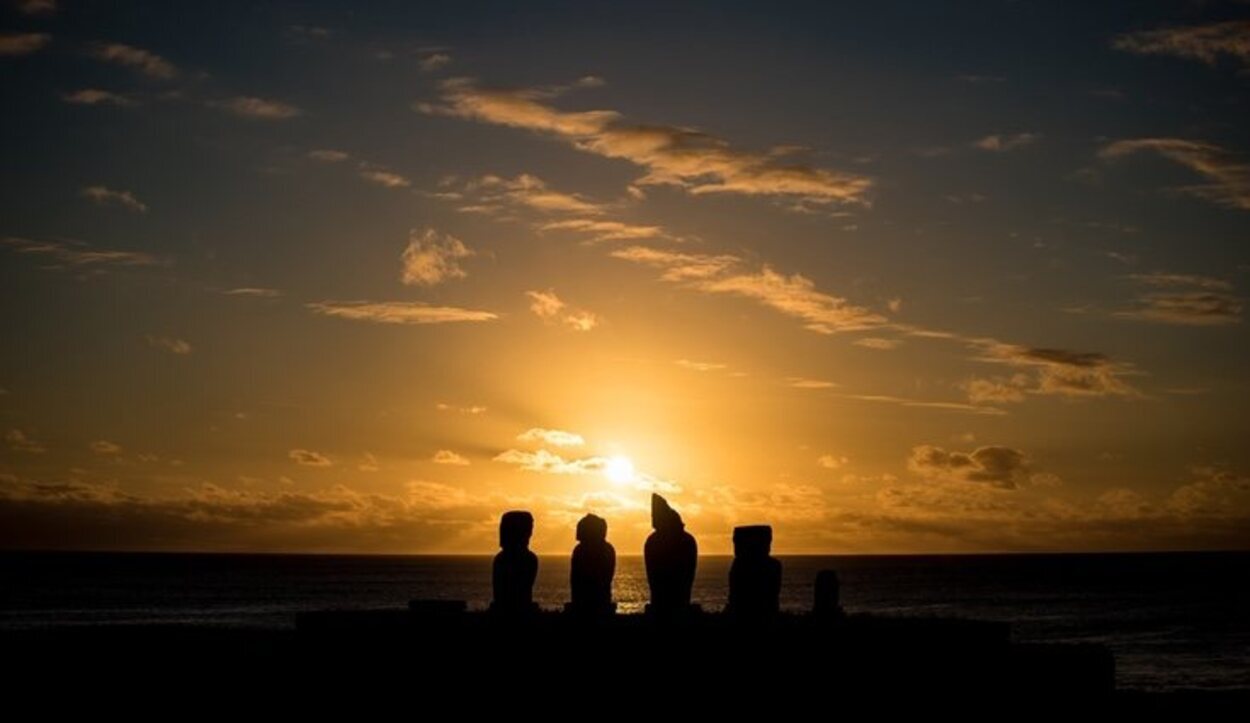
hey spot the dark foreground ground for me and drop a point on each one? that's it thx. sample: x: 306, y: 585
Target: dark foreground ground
x: 442, y: 659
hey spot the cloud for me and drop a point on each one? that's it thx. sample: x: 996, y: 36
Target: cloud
x: 831, y: 461
x: 998, y: 390
x: 171, y: 345
x: 105, y: 447
x: 383, y: 177
x: 79, y: 255
x: 368, y: 463
x: 1204, y: 43
x: 104, y: 196
x: 555, y: 437
x: 1214, y: 493
x: 327, y: 155
x: 36, y: 7
x: 258, y: 292
x: 146, y: 62
x: 1063, y: 372
x: 1228, y: 180
x: 255, y: 108
x: 433, y: 61
x: 398, y: 312
x: 547, y: 306
x: 548, y: 463
x: 925, y: 404
x: 1187, y: 308
x: 699, y: 366
x: 1002, y: 143
x: 1160, y: 278
x: 678, y: 266
x: 431, y: 257
x: 531, y: 192
x: 19, y: 441
x: 309, y: 458
x: 604, y: 230
x: 804, y: 383
x: 1002, y: 467
x: 95, y: 96
x: 874, y: 342
x: 14, y: 44
x: 685, y: 158
x: 795, y: 296
x: 446, y: 456
x: 473, y: 409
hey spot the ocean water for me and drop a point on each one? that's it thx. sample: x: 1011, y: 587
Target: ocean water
x: 1173, y: 620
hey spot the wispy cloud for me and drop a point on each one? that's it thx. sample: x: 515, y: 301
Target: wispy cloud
x: 1228, y: 179
x: 1063, y: 372
x: 878, y: 343
x: 1204, y: 43
x: 328, y: 155
x: 471, y: 409
x: 95, y: 96
x: 398, y: 312
x: 549, y: 463
x: 36, y: 7
x: 926, y: 404
x: 144, y: 61
x: 446, y: 456
x: 173, y: 346
x: 600, y: 230
x: 555, y: 437
x: 383, y: 177
x: 14, y: 44
x: 309, y: 458
x: 547, y: 306
x: 697, y: 162
x: 432, y: 257
x: 678, y: 266
x: 831, y: 461
x: 104, y: 196
x: 1001, y: 143
x: 531, y: 192
x: 700, y: 366
x: 77, y: 254
x: 105, y: 448
x: 806, y: 383
x: 253, y: 108
x: 433, y: 61
x: 19, y: 441
x: 254, y: 291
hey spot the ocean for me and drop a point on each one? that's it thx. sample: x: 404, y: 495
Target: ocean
x: 1173, y: 620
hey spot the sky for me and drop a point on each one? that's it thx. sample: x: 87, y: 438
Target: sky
x: 892, y: 277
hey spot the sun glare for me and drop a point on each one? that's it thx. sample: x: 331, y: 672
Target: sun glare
x: 619, y: 470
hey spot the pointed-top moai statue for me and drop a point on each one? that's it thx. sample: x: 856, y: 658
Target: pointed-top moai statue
x: 515, y: 567
x: 828, y: 596
x: 594, y: 564
x: 671, y: 555
x: 754, y: 577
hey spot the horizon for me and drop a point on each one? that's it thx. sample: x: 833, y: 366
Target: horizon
x: 301, y: 278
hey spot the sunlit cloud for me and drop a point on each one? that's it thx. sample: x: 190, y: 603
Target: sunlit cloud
x: 1000, y: 143
x: 383, y: 177
x: 144, y: 61
x: 254, y: 291
x: 831, y: 461
x: 255, y: 108
x: 104, y: 196
x: 1186, y: 308
x: 1228, y: 179
x: 432, y: 257
x: 19, y: 441
x: 549, y: 307
x: 368, y: 463
x: 75, y: 254
x: 805, y: 383
x: 179, y: 347
x: 603, y: 230
x: 996, y: 466
x: 546, y: 462
x: 529, y: 191
x: 681, y: 157
x: 448, y: 457
x: 999, y: 390
x: 398, y: 312
x: 678, y: 266
x: 308, y: 458
x: 95, y: 96
x: 1063, y: 372
x: 105, y: 447
x: 328, y: 155
x: 554, y: 437
x: 472, y: 409
x: 700, y: 366
x: 878, y: 343
x: 1204, y: 43
x: 795, y: 295
x: 14, y: 44
x: 927, y: 404
x: 433, y: 61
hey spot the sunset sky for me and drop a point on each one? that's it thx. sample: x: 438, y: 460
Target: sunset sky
x: 889, y: 276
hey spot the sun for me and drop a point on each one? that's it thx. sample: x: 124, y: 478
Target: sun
x: 619, y: 469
